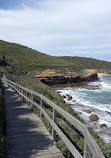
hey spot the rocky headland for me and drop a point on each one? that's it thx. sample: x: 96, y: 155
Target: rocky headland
x: 53, y: 77
x: 4, y: 61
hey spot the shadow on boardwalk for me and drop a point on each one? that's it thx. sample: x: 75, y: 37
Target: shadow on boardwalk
x: 26, y: 134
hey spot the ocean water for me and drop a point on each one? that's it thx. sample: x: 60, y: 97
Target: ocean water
x: 95, y: 95
x: 99, y: 97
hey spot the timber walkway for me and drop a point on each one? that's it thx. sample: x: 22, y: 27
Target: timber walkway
x: 26, y: 134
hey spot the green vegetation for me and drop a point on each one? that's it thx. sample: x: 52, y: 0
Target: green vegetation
x: 105, y: 148
x: 89, y: 63
x: 12, y: 48
x: 2, y: 124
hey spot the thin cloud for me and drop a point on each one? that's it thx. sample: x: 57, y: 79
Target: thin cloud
x: 76, y: 27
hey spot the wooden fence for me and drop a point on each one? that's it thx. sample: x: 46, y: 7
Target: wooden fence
x: 91, y: 149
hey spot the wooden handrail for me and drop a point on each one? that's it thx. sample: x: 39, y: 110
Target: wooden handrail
x: 90, y: 145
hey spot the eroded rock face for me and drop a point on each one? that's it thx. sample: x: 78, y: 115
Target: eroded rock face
x: 63, y: 96
x: 103, y: 125
x: 67, y: 103
x: 94, y: 117
x: 4, y: 61
x: 57, y: 80
x: 69, y: 97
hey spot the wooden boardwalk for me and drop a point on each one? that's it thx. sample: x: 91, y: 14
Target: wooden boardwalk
x: 27, y: 137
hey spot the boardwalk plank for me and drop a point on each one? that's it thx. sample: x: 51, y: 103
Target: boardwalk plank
x: 27, y: 137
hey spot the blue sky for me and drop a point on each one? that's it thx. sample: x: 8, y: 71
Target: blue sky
x: 14, y: 4
x: 64, y: 27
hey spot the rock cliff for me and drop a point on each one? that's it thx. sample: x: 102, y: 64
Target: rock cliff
x: 56, y: 80
x: 4, y: 61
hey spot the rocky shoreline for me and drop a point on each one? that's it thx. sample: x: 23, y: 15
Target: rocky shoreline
x: 92, y: 116
x: 97, y: 124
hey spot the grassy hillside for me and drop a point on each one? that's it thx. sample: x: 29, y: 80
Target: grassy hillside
x: 31, y: 60
x: 12, y: 48
x: 89, y: 62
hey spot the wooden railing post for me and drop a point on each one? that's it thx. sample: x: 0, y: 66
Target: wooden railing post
x: 42, y: 105
x: 87, y: 152
x: 17, y: 90
x: 54, y: 119
x: 32, y: 97
x: 26, y: 97
x: 23, y: 94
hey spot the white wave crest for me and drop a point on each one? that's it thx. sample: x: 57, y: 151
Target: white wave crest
x: 105, y: 86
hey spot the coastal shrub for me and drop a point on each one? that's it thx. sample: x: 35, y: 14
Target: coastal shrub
x: 105, y: 148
